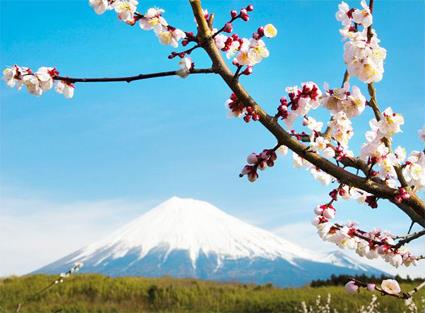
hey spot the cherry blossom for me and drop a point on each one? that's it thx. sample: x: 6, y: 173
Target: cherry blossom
x: 344, y: 14
x: 364, y: 57
x: 341, y: 128
x: 99, y: 6
x: 364, y: 16
x: 125, y: 10
x: 351, y: 287
x: 371, y: 287
x: 45, y: 76
x: 390, y: 286
x: 389, y: 124
x: 186, y: 64
x: 36, y: 83
x: 168, y: 35
x: 65, y: 88
x: 414, y: 169
x: 258, y: 162
x: 11, y: 76
x: 270, y: 31
x: 152, y: 19
x: 341, y: 99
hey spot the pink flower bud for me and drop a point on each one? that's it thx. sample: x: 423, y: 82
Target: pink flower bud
x: 228, y: 27
x: 351, y: 287
x: 262, y: 165
x: 252, y: 177
x: 233, y: 13
x: 260, y: 31
x: 250, y: 8
x: 371, y: 287
x: 252, y: 158
x: 245, y: 170
x: 318, y: 210
x: 329, y: 213
x: 248, y: 70
x: 244, y: 15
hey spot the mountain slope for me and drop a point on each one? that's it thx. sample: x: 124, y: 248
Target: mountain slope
x: 191, y: 238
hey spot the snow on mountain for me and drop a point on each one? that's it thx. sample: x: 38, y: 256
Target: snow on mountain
x: 192, y: 238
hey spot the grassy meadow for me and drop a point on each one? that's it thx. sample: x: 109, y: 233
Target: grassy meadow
x: 96, y: 293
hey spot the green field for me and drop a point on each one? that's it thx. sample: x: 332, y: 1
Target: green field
x: 96, y: 293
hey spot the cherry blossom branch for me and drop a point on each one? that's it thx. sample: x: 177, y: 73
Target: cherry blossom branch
x: 361, y: 234
x: 377, y: 112
x: 129, y: 79
x: 408, y: 238
x: 413, y: 207
x: 388, y: 288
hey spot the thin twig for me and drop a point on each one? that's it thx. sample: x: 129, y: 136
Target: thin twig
x: 408, y: 238
x: 129, y: 79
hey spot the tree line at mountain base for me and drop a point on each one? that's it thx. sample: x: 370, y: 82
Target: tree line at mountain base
x: 101, y: 294
x: 341, y: 280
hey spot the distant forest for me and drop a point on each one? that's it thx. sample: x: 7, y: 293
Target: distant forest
x: 340, y: 280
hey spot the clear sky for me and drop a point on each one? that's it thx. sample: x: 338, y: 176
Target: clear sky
x: 73, y: 170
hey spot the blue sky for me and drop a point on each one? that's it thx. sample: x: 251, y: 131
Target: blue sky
x: 94, y: 162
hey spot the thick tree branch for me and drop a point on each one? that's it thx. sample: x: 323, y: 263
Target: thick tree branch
x: 129, y: 79
x: 413, y: 207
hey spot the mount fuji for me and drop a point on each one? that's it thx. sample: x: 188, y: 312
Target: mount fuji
x: 191, y: 238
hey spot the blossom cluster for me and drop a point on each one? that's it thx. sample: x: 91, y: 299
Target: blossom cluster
x: 341, y: 129
x: 301, y: 101
x: 414, y: 170
x: 244, y: 51
x: 37, y: 82
x: 376, y: 151
x: 237, y: 109
x: 151, y: 20
x: 362, y: 54
x: 258, y: 161
x: 371, y: 245
x: 388, y: 286
x: 342, y: 100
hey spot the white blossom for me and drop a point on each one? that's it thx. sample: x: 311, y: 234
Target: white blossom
x: 364, y: 58
x: 169, y: 36
x: 125, y: 10
x: 391, y: 286
x: 270, y: 31
x: 186, y: 65
x: 343, y: 14
x: 99, y: 6
x: 341, y: 99
x: 65, y: 88
x: 364, y: 16
x: 153, y: 19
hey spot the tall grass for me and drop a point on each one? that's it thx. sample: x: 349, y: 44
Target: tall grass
x: 97, y: 293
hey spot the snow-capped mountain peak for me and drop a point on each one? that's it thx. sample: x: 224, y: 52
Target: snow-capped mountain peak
x: 195, y: 226
x: 192, y: 238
